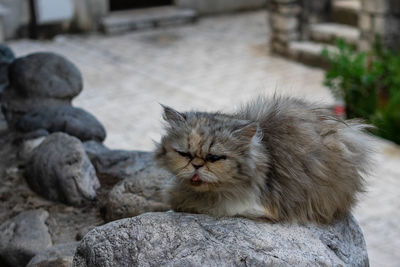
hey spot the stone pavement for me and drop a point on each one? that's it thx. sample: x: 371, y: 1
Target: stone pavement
x: 215, y: 64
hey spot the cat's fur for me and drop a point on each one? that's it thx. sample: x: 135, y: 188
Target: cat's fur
x: 282, y: 159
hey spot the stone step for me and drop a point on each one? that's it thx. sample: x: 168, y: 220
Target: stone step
x: 136, y: 19
x: 329, y: 32
x: 346, y: 11
x: 309, y: 53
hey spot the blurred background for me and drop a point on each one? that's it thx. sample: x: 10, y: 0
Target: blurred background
x: 216, y: 54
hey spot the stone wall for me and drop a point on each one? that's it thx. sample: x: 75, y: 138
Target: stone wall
x: 290, y: 20
x: 380, y: 17
x: 219, y: 6
x: 285, y: 22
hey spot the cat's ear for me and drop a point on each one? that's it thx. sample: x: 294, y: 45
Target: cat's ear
x: 172, y: 116
x: 247, y: 131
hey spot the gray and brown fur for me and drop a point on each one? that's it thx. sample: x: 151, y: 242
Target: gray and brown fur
x: 285, y: 160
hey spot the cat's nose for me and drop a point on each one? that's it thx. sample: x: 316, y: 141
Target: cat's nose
x: 197, y: 163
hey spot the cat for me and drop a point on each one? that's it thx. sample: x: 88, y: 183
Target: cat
x: 279, y: 159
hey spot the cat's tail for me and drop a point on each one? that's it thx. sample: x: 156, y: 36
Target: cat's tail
x: 351, y: 138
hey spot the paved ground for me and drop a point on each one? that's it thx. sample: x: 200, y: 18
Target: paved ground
x: 215, y: 64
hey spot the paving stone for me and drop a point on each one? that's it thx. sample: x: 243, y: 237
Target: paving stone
x: 329, y: 32
x: 309, y: 52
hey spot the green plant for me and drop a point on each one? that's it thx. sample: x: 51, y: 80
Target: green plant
x: 369, y: 84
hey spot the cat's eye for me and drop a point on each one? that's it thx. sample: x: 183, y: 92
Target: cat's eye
x: 214, y: 158
x: 184, y: 154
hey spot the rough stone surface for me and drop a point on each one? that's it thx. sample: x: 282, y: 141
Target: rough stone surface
x: 60, y: 255
x: 60, y: 170
x: 27, y: 147
x: 14, y: 106
x: 45, y: 75
x: 22, y: 237
x: 137, y: 194
x: 139, y: 177
x: 178, y: 239
x: 6, y: 54
x: 6, y: 57
x: 117, y: 164
x: 219, y: 6
x: 39, y: 80
x: 73, y: 121
x: 330, y: 32
x: 94, y: 149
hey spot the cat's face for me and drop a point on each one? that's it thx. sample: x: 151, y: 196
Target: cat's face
x: 207, y: 152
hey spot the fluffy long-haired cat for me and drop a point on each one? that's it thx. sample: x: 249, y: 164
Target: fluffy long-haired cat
x: 282, y: 159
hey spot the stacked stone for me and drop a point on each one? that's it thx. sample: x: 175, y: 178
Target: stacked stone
x: 284, y: 18
x: 37, y: 91
x: 38, y: 96
x: 379, y: 18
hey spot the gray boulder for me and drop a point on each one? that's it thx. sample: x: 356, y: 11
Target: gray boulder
x: 60, y: 255
x: 23, y: 236
x: 139, y: 193
x: 140, y: 180
x: 3, y: 77
x: 45, y: 75
x: 178, y: 239
x: 73, y: 121
x: 6, y: 54
x: 6, y: 57
x: 39, y: 80
x: 60, y: 170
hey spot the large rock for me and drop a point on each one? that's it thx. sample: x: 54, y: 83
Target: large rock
x: 6, y: 54
x: 45, y: 75
x: 117, y: 164
x: 137, y: 194
x: 177, y: 239
x: 39, y: 80
x: 73, y: 121
x: 6, y: 57
x: 60, y: 170
x: 60, y: 255
x: 140, y: 180
x: 23, y: 236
